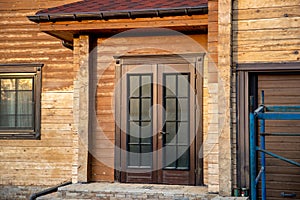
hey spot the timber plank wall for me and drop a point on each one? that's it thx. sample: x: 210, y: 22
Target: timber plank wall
x: 46, y: 161
x: 267, y: 31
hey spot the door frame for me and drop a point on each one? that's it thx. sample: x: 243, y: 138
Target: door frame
x: 246, y: 81
x: 198, y: 60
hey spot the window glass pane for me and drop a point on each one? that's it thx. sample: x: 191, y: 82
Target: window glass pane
x: 25, y: 102
x: 183, y: 109
x: 146, y: 132
x: 134, y: 109
x: 24, y: 84
x: 170, y: 156
x: 146, y: 86
x: 146, y: 156
x: 8, y: 121
x: 170, y: 85
x: 183, y: 133
x: 8, y: 84
x: 8, y: 103
x: 183, y: 154
x: 24, y: 121
x: 170, y: 133
x: 134, y: 86
x: 183, y: 85
x: 146, y: 109
x: 170, y: 109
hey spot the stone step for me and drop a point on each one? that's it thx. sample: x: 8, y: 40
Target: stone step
x: 119, y: 191
x: 52, y: 196
x: 116, y: 191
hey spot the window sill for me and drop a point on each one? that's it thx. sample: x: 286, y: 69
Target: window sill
x: 19, y: 136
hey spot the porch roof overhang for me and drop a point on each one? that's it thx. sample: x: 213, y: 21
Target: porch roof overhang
x: 105, y: 17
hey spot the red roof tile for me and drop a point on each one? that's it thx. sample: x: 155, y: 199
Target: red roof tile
x: 95, y: 6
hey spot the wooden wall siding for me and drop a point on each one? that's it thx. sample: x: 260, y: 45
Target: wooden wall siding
x: 211, y: 146
x: 104, y: 137
x: 267, y: 31
x: 46, y: 161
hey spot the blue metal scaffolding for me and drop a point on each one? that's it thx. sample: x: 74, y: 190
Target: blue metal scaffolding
x: 263, y: 113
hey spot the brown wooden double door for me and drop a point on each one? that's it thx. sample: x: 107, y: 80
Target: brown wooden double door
x: 158, y: 123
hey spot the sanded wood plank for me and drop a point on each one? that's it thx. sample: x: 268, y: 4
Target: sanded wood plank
x: 267, y: 13
x: 245, y: 4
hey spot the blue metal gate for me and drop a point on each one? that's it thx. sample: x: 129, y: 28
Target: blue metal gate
x: 263, y: 113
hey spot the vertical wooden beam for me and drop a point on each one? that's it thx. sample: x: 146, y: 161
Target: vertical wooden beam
x: 212, y: 144
x: 81, y: 109
x: 224, y: 70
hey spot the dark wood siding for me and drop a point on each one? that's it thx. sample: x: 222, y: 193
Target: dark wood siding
x: 282, y: 89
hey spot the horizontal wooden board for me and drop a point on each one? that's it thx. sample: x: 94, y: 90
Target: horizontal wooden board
x: 266, y: 12
x: 246, y: 4
x: 274, y: 23
x: 266, y: 45
x: 265, y: 34
x: 267, y: 56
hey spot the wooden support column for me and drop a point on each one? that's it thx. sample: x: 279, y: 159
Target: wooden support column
x: 212, y: 144
x: 225, y: 122
x: 81, y: 109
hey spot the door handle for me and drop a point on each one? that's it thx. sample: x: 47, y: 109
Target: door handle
x: 163, y: 133
x: 283, y: 194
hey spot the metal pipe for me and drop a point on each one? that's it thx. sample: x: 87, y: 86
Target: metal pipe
x: 48, y: 191
x: 283, y: 108
x: 262, y: 154
x: 259, y: 175
x: 279, y: 116
x: 280, y: 134
x: 252, y: 157
x: 279, y: 157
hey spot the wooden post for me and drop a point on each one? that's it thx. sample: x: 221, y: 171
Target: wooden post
x: 81, y: 109
x: 225, y: 122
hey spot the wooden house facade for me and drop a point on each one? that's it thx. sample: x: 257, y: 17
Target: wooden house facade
x: 145, y: 92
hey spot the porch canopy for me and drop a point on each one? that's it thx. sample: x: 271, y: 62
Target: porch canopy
x: 111, y: 17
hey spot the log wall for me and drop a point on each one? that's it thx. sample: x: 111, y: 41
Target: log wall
x: 267, y: 31
x: 46, y: 161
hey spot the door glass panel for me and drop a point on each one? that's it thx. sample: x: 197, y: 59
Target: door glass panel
x: 183, y: 85
x: 170, y: 156
x: 146, y: 159
x: 183, y: 109
x: 183, y: 133
x: 146, y: 108
x: 170, y: 85
x: 139, y: 124
x: 146, y: 86
x: 134, y: 154
x: 176, y: 118
x: 184, y: 158
x: 134, y: 110
x: 146, y: 132
x: 170, y: 108
x: 170, y: 132
x: 134, y: 86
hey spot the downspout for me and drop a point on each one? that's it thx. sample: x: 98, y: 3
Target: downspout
x: 48, y: 191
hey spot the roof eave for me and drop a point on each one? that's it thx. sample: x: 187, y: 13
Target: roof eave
x: 119, y: 14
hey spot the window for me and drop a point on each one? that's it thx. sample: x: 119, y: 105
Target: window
x: 20, y: 88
